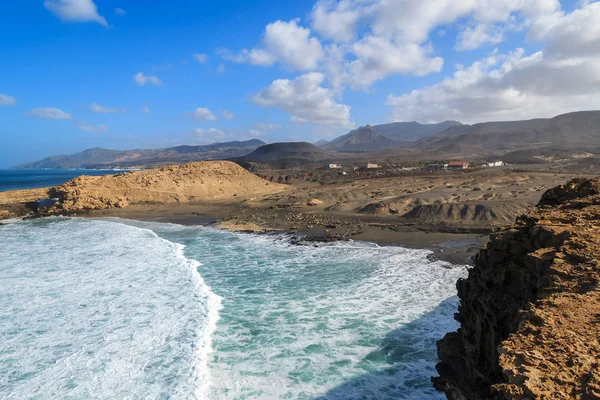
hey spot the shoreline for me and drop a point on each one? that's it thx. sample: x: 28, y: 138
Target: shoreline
x: 456, y: 247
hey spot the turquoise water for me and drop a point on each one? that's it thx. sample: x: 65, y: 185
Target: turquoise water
x: 123, y: 309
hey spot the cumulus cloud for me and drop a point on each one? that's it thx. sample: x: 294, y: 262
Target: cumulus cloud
x: 562, y: 77
x: 49, y: 113
x: 373, y: 39
x: 201, y: 58
x: 84, y: 126
x: 142, y: 79
x: 378, y: 58
x: 6, y: 100
x: 337, y: 21
x: 228, y: 114
x: 283, y: 42
x: 97, y: 108
x: 305, y: 100
x: 474, y: 37
x: 203, y: 114
x: 75, y: 11
x: 120, y: 11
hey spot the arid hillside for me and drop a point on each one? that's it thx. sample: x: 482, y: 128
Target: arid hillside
x: 199, y: 181
x: 204, y: 181
x: 530, y: 308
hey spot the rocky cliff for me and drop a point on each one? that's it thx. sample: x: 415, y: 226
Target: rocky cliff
x: 530, y: 308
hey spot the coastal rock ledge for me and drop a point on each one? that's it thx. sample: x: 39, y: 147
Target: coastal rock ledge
x: 529, y: 310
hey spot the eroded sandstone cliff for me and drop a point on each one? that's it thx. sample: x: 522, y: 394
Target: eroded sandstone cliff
x: 530, y: 308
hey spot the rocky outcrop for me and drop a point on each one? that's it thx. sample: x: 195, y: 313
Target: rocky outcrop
x: 202, y: 181
x: 530, y: 308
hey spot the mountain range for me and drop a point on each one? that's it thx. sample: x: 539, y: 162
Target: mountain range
x: 105, y: 158
x: 572, y: 130
x: 577, y: 130
x: 387, y: 136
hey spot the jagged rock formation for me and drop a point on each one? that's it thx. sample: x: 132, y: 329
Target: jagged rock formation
x: 202, y: 181
x: 530, y: 308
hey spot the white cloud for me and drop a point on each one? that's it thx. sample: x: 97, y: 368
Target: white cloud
x: 97, y: 108
x: 221, y: 68
x: 49, y: 113
x: 120, y: 11
x: 473, y: 38
x: 560, y: 78
x: 373, y: 39
x: 203, y: 114
x: 142, y: 79
x: 337, y: 20
x: 505, y: 87
x: 267, y: 127
x: 283, y: 42
x: 201, y: 58
x: 228, y: 114
x: 305, y: 100
x: 145, y: 110
x: 6, y: 100
x: 91, y: 128
x: 75, y: 11
x: 377, y: 58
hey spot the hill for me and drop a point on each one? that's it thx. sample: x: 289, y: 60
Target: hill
x: 365, y: 138
x: 203, y: 181
x: 105, y: 158
x: 573, y: 130
x: 284, y: 155
x: 413, y: 131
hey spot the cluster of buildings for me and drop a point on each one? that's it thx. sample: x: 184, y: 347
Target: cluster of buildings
x: 363, y: 166
x: 464, y: 165
x: 452, y: 165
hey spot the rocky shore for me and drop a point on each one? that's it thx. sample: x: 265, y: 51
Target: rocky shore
x: 448, y: 212
x: 530, y: 308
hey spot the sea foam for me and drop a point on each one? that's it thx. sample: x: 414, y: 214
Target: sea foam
x: 94, y: 309
x: 120, y: 309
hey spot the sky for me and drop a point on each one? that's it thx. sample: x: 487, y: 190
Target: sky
x: 126, y: 74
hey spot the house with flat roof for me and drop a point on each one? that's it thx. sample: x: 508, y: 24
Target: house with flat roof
x: 334, y: 166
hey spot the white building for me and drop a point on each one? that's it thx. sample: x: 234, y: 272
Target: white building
x: 334, y: 166
x: 495, y: 164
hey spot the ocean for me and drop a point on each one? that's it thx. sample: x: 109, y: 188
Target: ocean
x: 133, y: 310
x: 14, y: 179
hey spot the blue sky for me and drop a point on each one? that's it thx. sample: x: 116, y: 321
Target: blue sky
x: 128, y: 74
